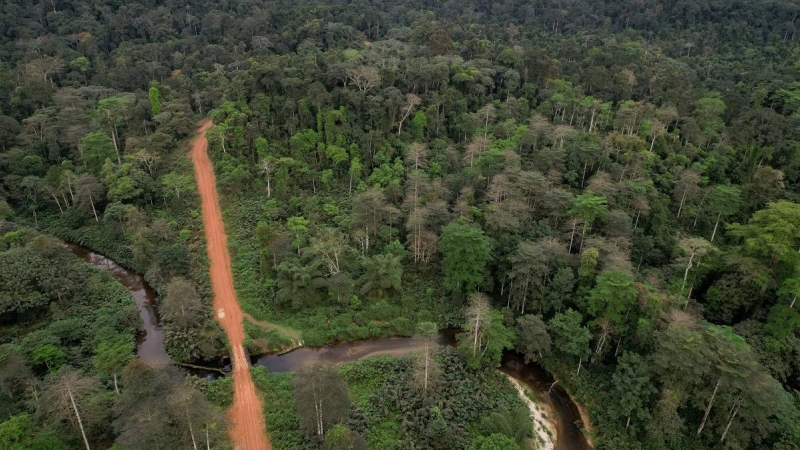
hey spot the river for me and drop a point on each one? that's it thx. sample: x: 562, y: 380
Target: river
x: 151, y: 351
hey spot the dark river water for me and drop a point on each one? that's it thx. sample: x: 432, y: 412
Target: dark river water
x: 151, y: 351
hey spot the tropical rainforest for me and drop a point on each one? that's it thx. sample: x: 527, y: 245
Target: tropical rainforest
x: 608, y: 188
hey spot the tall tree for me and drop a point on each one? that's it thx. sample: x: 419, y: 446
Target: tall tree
x: 632, y: 387
x: 723, y: 201
x: 321, y: 398
x: 426, y: 367
x: 587, y: 207
x: 485, y: 337
x: 64, y: 397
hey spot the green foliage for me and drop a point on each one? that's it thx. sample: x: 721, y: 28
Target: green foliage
x: 282, y: 422
x: 613, y: 295
x: 782, y: 321
x: 495, y: 442
x: 632, y: 386
x: 463, y: 397
x: 383, y: 277
x: 155, y: 98
x: 772, y: 235
x: 589, y: 207
x: 466, y: 252
x: 20, y: 433
x: 533, y: 339
x: 569, y: 336
x: 95, y: 149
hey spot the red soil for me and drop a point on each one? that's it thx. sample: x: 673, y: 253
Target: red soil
x: 247, y: 430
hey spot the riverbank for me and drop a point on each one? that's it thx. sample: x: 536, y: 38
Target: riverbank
x: 544, y: 429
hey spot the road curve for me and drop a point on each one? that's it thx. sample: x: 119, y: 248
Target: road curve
x: 247, y: 429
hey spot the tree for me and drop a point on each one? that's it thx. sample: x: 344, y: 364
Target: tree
x: 267, y: 168
x: 299, y: 227
x: 95, y: 149
x: 587, y: 207
x: 88, y: 192
x: 321, y: 398
x: 20, y: 432
x: 534, y: 341
x: 466, y: 252
x: 371, y: 210
x: 356, y: 167
x: 610, y: 301
x: 485, y: 337
x: 330, y: 245
x: 339, y: 437
x: 159, y: 408
x: 724, y: 200
x: 426, y: 367
x: 772, y: 235
x: 569, y: 336
x: 693, y: 247
x: 686, y: 189
x: 383, y: 277
x: 68, y: 390
x: 412, y: 101
x: 532, y: 265
x: 182, y: 304
x: 188, y: 409
x: 112, y: 112
x: 715, y: 365
x: 365, y: 78
x: 299, y: 282
x: 613, y: 294
x: 174, y: 183
x: 632, y: 387
x: 111, y: 356
x: 154, y: 96
x: 666, y: 424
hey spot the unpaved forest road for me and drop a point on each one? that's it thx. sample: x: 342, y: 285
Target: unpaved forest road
x: 247, y: 430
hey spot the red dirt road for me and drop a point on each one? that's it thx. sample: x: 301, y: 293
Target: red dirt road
x: 247, y: 431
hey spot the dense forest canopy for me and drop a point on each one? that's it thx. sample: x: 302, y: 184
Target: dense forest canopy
x: 608, y: 187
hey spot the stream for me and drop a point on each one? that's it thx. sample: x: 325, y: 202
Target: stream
x: 151, y: 351
x: 150, y: 341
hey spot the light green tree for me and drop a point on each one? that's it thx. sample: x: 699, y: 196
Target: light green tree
x: 155, y: 98
x: 95, y: 148
x: 587, y: 207
x: 298, y: 225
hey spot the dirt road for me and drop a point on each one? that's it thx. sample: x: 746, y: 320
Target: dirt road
x: 247, y: 430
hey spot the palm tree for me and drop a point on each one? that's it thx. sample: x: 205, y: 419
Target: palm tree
x: 383, y: 277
